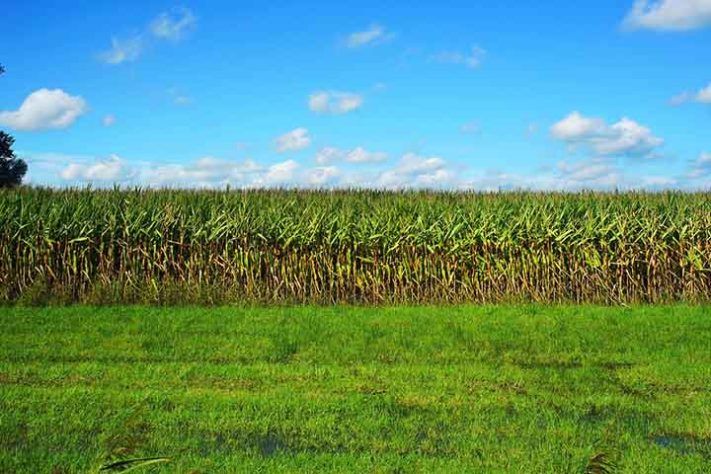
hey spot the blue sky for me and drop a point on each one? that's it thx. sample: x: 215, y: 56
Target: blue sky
x: 451, y: 94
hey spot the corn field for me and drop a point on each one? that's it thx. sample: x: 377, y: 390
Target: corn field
x: 362, y: 247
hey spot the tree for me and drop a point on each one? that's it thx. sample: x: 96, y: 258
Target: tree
x: 12, y: 169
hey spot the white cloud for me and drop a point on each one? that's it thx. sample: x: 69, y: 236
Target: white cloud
x: 417, y: 171
x: 329, y: 155
x: 44, y: 109
x: 322, y: 176
x: 108, y: 120
x: 471, y: 59
x: 210, y: 172
x: 167, y: 26
x: 410, y: 172
x: 111, y: 169
x: 701, y: 167
x: 681, y: 98
x: 172, y: 25
x: 122, y: 51
x: 657, y: 182
x: 596, y: 173
x: 281, y: 173
x: 704, y: 160
x: 205, y: 172
x: 357, y: 155
x: 361, y: 155
x: 623, y: 138
x: 375, y: 34
x: 669, y: 15
x: 295, y: 140
x: 703, y: 96
x: 592, y: 173
x: 336, y: 103
x: 575, y: 127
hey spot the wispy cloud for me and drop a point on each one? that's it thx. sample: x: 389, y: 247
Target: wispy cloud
x: 375, y: 34
x: 179, y: 98
x: 170, y: 26
x: 471, y: 59
x: 108, y: 120
x: 123, y: 50
x: 669, y: 15
x: 357, y: 155
x: 174, y: 24
x: 336, y: 103
x: 702, y: 96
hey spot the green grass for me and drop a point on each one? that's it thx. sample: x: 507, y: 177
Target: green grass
x: 460, y: 389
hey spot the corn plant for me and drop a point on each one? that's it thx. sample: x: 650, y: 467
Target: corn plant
x: 362, y: 247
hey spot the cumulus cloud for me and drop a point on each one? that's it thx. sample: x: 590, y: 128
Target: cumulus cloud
x: 703, y: 96
x: 328, y: 155
x: 123, y: 51
x: 418, y: 172
x: 375, y: 34
x: 322, y: 176
x: 336, y: 103
x: 361, y: 155
x: 204, y: 172
x: 471, y: 59
x: 45, y: 109
x: 412, y: 171
x: 669, y: 15
x: 173, y: 25
x: 295, y: 140
x: 280, y: 173
x: 600, y: 174
x: 112, y: 169
x: 108, y: 120
x: 357, y: 155
x: 594, y: 173
x: 210, y: 172
x: 623, y: 138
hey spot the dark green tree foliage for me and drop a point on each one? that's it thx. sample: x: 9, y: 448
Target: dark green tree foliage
x: 12, y: 169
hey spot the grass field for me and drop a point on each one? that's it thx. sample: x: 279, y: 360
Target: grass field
x: 461, y: 389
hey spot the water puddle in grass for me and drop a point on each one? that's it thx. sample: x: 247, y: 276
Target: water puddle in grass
x: 271, y: 445
x: 685, y: 444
